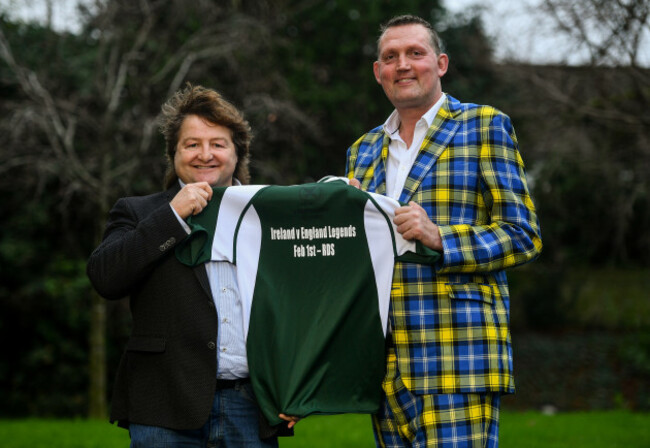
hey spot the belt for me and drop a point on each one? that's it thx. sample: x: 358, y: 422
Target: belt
x: 229, y: 384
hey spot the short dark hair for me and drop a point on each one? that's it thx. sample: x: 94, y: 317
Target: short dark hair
x: 212, y: 107
x: 409, y: 19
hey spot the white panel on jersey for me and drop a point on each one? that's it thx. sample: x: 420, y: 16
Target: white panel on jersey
x: 380, y: 246
x: 232, y: 205
x: 389, y: 205
x: 248, y: 250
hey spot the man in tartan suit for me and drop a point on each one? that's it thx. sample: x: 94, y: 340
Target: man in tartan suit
x: 457, y: 167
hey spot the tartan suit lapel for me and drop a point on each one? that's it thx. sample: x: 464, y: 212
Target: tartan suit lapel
x: 374, y: 179
x: 436, y: 140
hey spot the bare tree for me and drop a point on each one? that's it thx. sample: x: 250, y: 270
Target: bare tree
x: 592, y: 124
x: 612, y: 31
x: 93, y: 127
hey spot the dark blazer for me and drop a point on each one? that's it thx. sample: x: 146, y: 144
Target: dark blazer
x: 167, y: 373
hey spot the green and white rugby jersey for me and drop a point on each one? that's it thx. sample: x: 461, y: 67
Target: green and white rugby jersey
x: 314, y: 265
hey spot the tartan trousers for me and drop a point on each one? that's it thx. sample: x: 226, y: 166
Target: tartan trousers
x: 441, y: 421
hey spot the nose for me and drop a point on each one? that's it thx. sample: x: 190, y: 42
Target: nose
x: 206, y: 153
x: 403, y: 62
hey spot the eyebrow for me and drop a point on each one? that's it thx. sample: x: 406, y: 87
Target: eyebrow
x: 409, y: 49
x: 413, y: 46
x: 220, y: 139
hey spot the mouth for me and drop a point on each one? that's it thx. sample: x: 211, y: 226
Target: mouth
x: 405, y: 81
x: 205, y: 167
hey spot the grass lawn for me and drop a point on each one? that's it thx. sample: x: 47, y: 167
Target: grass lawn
x: 518, y: 430
x: 615, y: 429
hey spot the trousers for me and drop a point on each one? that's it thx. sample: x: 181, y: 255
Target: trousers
x: 233, y: 423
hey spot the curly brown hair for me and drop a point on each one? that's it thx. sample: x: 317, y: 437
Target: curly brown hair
x: 212, y: 107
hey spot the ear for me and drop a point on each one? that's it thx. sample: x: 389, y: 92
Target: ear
x: 443, y: 64
x: 375, y: 69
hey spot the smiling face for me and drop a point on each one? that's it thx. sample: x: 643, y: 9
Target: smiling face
x: 408, y: 68
x: 205, y: 152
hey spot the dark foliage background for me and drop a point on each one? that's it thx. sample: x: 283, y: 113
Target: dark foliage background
x: 77, y: 116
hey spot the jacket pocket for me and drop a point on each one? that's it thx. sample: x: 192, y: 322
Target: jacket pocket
x: 146, y: 344
x: 480, y: 292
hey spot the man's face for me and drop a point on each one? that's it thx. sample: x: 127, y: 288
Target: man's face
x: 409, y: 69
x: 205, y: 152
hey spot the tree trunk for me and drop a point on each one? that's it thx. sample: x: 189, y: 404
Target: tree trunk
x: 97, y: 371
x: 97, y: 404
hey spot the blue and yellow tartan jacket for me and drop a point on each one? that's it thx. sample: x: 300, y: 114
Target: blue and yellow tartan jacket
x: 450, y: 322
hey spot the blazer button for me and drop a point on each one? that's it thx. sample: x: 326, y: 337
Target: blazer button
x: 167, y: 244
x: 212, y: 345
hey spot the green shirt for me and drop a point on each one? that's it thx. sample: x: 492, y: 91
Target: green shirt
x: 314, y: 266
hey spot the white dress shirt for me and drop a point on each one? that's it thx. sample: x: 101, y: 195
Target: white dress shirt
x: 400, y: 157
x: 231, y: 340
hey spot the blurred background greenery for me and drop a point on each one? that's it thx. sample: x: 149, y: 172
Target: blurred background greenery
x: 77, y: 117
x: 592, y: 429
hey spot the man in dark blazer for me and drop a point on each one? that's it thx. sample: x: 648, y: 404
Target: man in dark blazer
x: 183, y: 377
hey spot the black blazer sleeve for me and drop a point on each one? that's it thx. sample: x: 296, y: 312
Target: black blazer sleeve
x: 139, y: 233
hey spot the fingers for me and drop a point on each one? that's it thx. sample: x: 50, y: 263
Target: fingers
x: 292, y: 419
x: 192, y: 199
x: 196, y: 199
x: 411, y: 221
x: 355, y: 183
x: 207, y: 188
x: 410, y: 212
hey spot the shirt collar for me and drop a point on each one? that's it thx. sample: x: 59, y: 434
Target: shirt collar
x: 391, y: 126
